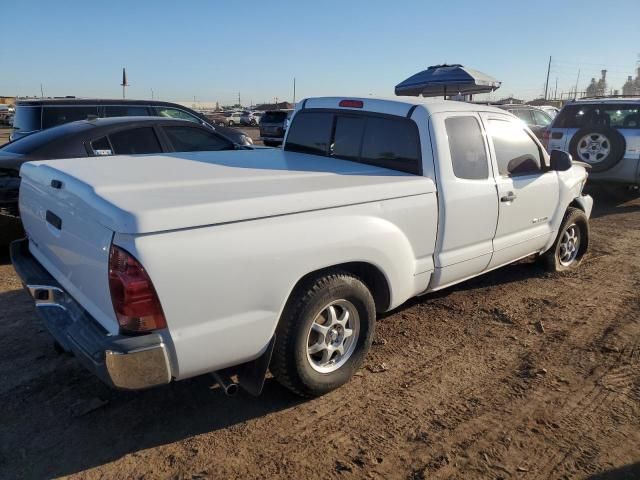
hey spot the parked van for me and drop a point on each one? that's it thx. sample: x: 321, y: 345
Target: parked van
x: 35, y: 115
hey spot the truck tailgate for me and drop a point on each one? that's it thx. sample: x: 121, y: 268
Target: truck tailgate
x: 67, y: 240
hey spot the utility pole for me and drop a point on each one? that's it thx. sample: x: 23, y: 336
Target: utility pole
x: 239, y: 102
x: 294, y: 90
x: 546, y: 85
x: 575, y: 95
x: 152, y: 94
x: 41, y: 91
x: 555, y: 92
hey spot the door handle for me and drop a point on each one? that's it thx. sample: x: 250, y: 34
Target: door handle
x: 509, y: 197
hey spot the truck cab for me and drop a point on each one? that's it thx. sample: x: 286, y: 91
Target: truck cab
x: 499, y: 198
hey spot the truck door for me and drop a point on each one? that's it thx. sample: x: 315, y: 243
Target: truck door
x: 467, y: 198
x: 527, y: 190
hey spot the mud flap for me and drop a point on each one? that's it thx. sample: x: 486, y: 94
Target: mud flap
x: 251, y: 375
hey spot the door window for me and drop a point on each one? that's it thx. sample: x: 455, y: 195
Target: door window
x: 135, y: 141
x: 193, y: 139
x: 516, y: 152
x: 176, y: 113
x: 466, y: 145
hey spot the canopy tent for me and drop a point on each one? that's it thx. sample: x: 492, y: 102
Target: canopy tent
x: 443, y: 80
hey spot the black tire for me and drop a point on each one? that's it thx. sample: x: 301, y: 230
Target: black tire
x: 271, y: 144
x: 291, y: 365
x: 616, y: 145
x: 551, y: 259
x: 231, y: 123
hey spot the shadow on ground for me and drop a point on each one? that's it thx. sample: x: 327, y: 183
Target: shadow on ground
x: 628, y: 472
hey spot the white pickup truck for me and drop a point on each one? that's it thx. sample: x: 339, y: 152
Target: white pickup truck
x: 163, y: 267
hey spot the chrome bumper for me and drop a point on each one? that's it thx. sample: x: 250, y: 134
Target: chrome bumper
x: 125, y: 362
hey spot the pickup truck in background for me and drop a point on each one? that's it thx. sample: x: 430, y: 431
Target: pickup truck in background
x: 163, y: 267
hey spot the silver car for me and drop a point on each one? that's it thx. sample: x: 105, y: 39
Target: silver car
x: 603, y: 132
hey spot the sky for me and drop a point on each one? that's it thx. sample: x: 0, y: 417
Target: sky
x: 211, y: 50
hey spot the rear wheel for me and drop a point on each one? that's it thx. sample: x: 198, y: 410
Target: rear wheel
x: 231, y: 123
x: 324, y: 334
x: 571, y: 243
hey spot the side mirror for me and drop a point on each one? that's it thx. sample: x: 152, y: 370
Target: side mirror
x: 560, y: 161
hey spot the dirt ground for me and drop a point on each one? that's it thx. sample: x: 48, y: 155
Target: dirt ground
x: 517, y: 374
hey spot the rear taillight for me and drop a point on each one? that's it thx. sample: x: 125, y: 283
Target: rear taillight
x: 134, y: 298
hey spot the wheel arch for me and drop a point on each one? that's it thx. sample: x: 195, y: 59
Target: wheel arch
x: 371, y: 275
x: 579, y: 204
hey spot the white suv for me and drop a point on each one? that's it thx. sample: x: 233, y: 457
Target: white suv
x: 603, y: 132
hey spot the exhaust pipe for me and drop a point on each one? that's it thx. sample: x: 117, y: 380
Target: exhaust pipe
x: 229, y: 387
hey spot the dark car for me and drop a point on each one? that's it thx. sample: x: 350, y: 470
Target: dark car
x: 98, y: 137
x: 35, y: 115
x: 535, y: 118
x: 273, y: 126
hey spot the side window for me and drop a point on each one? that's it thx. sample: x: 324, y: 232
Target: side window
x: 126, y: 111
x: 101, y: 147
x: 541, y: 118
x: 347, y: 137
x: 310, y: 133
x: 392, y: 143
x: 516, y: 152
x: 193, y: 139
x: 466, y: 145
x: 135, y: 141
x: 524, y: 115
x: 175, y: 113
x: 52, y: 116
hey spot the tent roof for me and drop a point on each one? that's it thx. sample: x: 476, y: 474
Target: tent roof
x: 440, y: 80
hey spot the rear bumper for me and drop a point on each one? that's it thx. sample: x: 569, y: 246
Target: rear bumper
x: 124, y: 362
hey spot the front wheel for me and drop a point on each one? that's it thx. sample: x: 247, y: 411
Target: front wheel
x: 324, y: 334
x: 571, y: 243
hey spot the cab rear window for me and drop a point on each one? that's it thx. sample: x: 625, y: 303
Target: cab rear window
x: 381, y: 140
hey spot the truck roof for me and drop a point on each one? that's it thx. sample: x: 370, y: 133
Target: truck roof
x: 397, y: 105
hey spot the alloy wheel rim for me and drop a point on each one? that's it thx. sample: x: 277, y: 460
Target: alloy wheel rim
x: 569, y: 245
x: 594, y: 148
x: 333, y: 336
